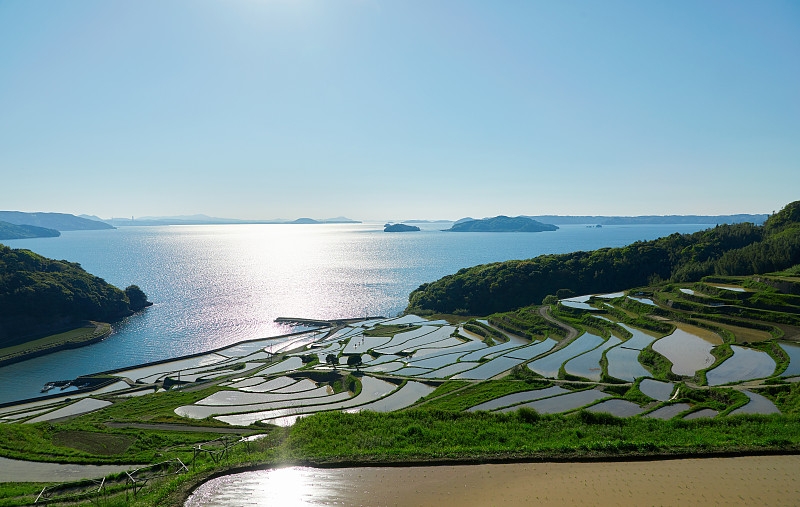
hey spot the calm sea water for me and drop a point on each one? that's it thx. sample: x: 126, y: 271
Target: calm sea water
x: 218, y: 284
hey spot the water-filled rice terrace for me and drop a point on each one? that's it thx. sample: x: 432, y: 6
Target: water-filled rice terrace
x: 719, y: 347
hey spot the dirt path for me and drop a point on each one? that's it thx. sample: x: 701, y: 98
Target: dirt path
x: 572, y: 333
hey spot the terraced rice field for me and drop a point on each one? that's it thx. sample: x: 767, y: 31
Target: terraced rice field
x: 277, y: 382
x: 549, y: 365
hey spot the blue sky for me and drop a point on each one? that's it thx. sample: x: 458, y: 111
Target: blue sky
x: 404, y: 109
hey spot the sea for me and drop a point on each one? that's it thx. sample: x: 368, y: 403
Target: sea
x: 214, y: 285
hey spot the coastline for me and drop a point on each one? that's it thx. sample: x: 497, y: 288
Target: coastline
x: 102, y: 330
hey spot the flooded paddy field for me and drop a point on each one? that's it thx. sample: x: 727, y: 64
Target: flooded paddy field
x: 516, y: 398
x: 623, y: 363
x: 587, y: 365
x: 793, y: 351
x: 619, y: 408
x: 669, y: 411
x: 758, y: 405
x: 660, y: 391
x: 744, y: 364
x: 723, y: 481
x: 549, y: 365
x: 562, y: 403
x: 688, y: 348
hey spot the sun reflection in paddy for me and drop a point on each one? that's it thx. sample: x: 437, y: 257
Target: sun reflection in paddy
x: 292, y: 486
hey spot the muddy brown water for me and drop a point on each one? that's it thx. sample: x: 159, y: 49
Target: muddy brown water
x: 752, y: 480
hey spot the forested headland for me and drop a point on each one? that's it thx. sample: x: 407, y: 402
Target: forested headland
x: 57, y: 221
x: 737, y: 249
x: 14, y: 231
x: 39, y: 296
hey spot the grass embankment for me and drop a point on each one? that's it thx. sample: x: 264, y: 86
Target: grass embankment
x: 480, y: 392
x: 154, y: 408
x: 446, y: 435
x: 89, y: 333
x: 79, y: 443
x: 388, y: 330
x: 489, y: 334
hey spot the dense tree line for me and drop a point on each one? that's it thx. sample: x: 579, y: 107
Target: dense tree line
x: 38, y: 295
x: 737, y: 249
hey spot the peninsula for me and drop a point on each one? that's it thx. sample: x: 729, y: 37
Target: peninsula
x: 13, y: 231
x: 47, y: 305
x: 57, y: 221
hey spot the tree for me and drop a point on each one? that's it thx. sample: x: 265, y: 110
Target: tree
x: 331, y: 359
x: 564, y: 293
x: 354, y: 361
x: 550, y: 299
x: 137, y: 297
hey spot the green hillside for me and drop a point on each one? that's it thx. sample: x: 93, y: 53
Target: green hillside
x: 737, y: 249
x: 58, y: 221
x: 40, y: 295
x: 13, y: 231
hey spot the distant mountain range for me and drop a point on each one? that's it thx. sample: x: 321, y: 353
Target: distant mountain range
x: 57, y: 221
x: 642, y: 219
x: 207, y: 220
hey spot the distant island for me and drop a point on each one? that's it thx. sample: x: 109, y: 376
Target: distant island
x: 400, y: 228
x: 13, y: 231
x: 48, y: 305
x: 502, y: 224
x: 57, y: 221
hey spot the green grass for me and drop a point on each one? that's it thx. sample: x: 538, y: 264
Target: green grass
x: 489, y: 334
x: 93, y: 442
x: 447, y: 387
x: 660, y: 366
x: 437, y: 434
x: 390, y: 330
x: 484, y: 391
x: 19, y: 493
x: 74, y: 337
x: 49, y: 442
x: 158, y: 407
x: 786, y: 397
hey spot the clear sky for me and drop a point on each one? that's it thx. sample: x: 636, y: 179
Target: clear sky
x: 403, y: 109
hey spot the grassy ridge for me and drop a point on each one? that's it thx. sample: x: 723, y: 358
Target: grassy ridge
x: 438, y: 434
x: 483, y: 391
